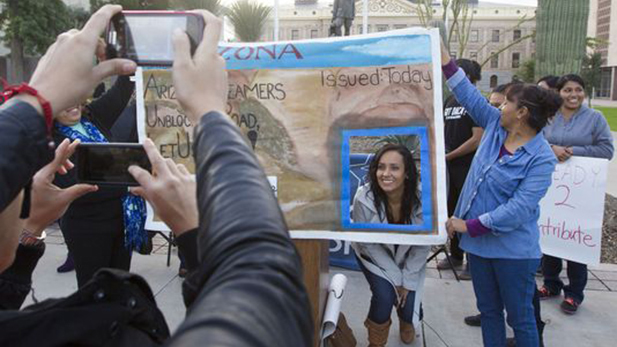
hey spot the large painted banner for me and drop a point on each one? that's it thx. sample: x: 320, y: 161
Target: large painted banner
x: 311, y: 110
x: 572, y: 211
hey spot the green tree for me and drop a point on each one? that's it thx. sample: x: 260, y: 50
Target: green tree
x: 77, y: 17
x: 30, y: 26
x: 249, y: 19
x: 591, y: 72
x: 132, y: 4
x: 527, y: 71
x: 213, y: 6
x: 561, y: 37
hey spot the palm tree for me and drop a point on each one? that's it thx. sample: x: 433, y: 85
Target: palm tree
x: 248, y: 19
x: 213, y: 6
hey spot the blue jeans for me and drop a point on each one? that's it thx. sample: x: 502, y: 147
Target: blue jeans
x: 384, y: 299
x: 577, y: 278
x: 508, y: 283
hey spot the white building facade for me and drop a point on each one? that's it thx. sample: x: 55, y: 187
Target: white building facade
x: 494, y: 27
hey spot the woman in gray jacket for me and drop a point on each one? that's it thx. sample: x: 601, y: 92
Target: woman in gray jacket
x: 392, y: 271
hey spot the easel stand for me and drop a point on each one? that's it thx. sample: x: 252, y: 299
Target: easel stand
x: 445, y: 251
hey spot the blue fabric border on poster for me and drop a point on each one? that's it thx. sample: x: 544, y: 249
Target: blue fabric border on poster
x: 373, y: 51
x: 425, y: 175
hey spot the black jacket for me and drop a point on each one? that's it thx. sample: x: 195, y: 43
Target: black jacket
x: 24, y: 148
x: 248, y: 289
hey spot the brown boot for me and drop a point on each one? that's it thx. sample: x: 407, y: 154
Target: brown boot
x: 377, y: 333
x: 408, y: 332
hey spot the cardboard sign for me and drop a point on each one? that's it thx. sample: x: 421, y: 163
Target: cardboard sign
x: 307, y: 108
x: 571, y: 213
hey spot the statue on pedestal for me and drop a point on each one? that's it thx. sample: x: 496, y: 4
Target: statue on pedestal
x: 343, y: 14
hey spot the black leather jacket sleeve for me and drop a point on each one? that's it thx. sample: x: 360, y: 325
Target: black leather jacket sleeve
x: 248, y: 289
x: 24, y: 148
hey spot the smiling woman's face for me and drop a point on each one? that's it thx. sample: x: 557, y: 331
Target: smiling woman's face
x: 391, y: 173
x: 573, y: 95
x: 70, y: 116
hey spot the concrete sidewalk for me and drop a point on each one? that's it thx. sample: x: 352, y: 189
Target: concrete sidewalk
x: 446, y: 302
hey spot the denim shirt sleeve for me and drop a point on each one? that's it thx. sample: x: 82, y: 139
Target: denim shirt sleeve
x: 524, y: 204
x: 474, y: 102
x: 602, y: 141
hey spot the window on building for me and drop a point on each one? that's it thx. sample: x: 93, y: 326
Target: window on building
x: 382, y: 27
x: 400, y: 26
x: 494, y: 60
x: 516, y: 60
x: 295, y: 34
x: 494, y: 81
x: 605, y: 84
x: 453, y: 54
x: 495, y: 36
x: 473, y: 55
x: 368, y: 29
x: 474, y: 35
x: 314, y: 33
x: 516, y: 34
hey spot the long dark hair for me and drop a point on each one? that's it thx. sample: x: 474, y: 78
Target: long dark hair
x: 410, y: 190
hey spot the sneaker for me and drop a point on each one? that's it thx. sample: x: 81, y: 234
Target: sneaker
x: 569, y: 306
x: 464, y: 275
x: 473, y: 321
x: 443, y: 264
x: 68, y: 265
x: 182, y: 272
x: 510, y: 342
x: 545, y: 293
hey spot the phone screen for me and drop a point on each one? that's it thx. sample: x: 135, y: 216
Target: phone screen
x: 108, y: 163
x: 151, y: 36
x: 146, y: 37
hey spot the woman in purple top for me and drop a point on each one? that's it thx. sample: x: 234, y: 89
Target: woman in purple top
x: 498, y: 210
x: 577, y: 130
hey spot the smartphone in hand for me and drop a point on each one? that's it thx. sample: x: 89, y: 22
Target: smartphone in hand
x: 146, y: 36
x: 108, y: 163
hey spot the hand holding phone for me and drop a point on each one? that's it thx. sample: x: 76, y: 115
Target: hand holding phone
x: 146, y: 36
x: 108, y: 163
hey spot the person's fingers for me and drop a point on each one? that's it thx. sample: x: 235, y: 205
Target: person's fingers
x: 139, y: 191
x: 60, y: 156
x: 211, y: 37
x: 156, y: 159
x: 183, y: 169
x: 113, y: 67
x: 100, y: 50
x: 143, y: 177
x: 94, y: 28
x: 78, y: 190
x: 182, y: 50
x: 172, y: 167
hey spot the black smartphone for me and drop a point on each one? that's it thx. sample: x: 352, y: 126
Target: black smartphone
x: 145, y: 36
x: 108, y: 163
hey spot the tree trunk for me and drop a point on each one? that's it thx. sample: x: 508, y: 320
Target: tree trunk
x: 17, y: 61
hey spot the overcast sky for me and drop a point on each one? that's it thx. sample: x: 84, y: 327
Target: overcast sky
x: 519, y: 2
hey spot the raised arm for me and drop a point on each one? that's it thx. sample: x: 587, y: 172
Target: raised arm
x: 110, y: 105
x: 466, y: 93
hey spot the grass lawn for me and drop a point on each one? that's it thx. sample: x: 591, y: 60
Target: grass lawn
x: 611, y: 115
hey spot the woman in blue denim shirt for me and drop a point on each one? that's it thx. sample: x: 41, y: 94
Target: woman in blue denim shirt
x: 497, y: 212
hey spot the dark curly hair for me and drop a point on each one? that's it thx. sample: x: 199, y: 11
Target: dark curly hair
x: 541, y: 103
x: 410, y: 190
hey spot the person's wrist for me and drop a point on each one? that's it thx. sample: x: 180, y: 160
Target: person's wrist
x: 30, y: 99
x: 34, y: 227
x: 197, y: 112
x: 180, y: 227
